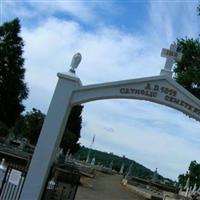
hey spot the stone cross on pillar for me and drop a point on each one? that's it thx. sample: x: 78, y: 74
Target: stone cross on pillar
x: 171, y: 56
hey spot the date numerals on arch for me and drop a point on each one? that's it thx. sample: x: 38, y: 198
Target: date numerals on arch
x: 162, y: 89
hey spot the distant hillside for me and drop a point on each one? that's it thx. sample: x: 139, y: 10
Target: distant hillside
x: 106, y: 158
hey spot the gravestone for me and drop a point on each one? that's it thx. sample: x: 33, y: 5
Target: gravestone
x: 122, y: 168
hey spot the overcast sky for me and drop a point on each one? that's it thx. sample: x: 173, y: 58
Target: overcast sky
x: 118, y: 40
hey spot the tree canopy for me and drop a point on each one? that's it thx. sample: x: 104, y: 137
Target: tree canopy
x: 72, y: 130
x: 13, y: 89
x: 187, y: 71
x: 30, y: 124
x: 193, y: 174
x: 34, y: 121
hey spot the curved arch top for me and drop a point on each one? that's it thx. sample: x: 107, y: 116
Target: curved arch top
x: 158, y: 89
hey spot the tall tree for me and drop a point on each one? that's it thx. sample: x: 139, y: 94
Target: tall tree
x: 187, y: 71
x: 19, y: 130
x: 33, y: 125
x: 13, y: 89
x: 193, y: 174
x: 3, y: 130
x: 72, y: 130
x: 30, y: 125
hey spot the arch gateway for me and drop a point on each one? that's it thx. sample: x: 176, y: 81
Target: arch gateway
x: 69, y: 91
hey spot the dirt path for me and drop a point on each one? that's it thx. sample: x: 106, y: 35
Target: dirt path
x: 104, y: 187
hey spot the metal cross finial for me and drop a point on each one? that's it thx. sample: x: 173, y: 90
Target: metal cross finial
x: 171, y: 56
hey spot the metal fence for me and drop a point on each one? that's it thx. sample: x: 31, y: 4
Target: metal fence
x: 11, y: 184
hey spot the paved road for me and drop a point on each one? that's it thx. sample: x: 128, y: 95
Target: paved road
x: 104, y: 187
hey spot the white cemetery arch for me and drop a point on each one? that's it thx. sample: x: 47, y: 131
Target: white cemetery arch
x: 158, y: 89
x: 70, y: 91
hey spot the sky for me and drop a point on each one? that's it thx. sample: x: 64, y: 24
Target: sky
x: 118, y: 40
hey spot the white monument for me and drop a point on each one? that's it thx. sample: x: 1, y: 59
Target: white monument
x: 129, y: 171
x: 111, y: 165
x: 122, y: 168
x: 69, y: 91
x: 155, y: 176
x: 93, y: 161
x: 89, y: 151
x: 2, y: 164
x: 187, y: 185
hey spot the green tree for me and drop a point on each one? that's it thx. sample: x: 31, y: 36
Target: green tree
x: 182, y: 179
x: 19, y: 130
x: 187, y: 71
x: 72, y: 130
x: 193, y: 174
x: 13, y: 89
x: 4, y: 131
x: 30, y: 125
x: 33, y: 125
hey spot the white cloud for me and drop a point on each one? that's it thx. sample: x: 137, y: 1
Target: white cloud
x: 153, y: 146
x: 171, y: 20
x: 75, y: 8
x: 151, y: 134
x: 83, y: 11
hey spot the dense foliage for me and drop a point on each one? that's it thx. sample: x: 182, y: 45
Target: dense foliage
x: 187, y: 71
x: 30, y: 125
x: 3, y: 129
x: 193, y: 174
x: 13, y: 89
x: 72, y: 130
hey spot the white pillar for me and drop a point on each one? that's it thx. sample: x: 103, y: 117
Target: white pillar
x: 50, y: 137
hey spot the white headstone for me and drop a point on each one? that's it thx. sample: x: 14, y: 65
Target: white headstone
x: 2, y: 164
x: 129, y: 171
x: 122, y: 169
x: 187, y: 185
x: 194, y: 188
x: 155, y: 175
x: 93, y: 161
x: 111, y: 165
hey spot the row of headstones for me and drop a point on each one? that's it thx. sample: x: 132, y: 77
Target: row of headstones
x: 189, y: 191
x: 92, y: 163
x: 68, y: 157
